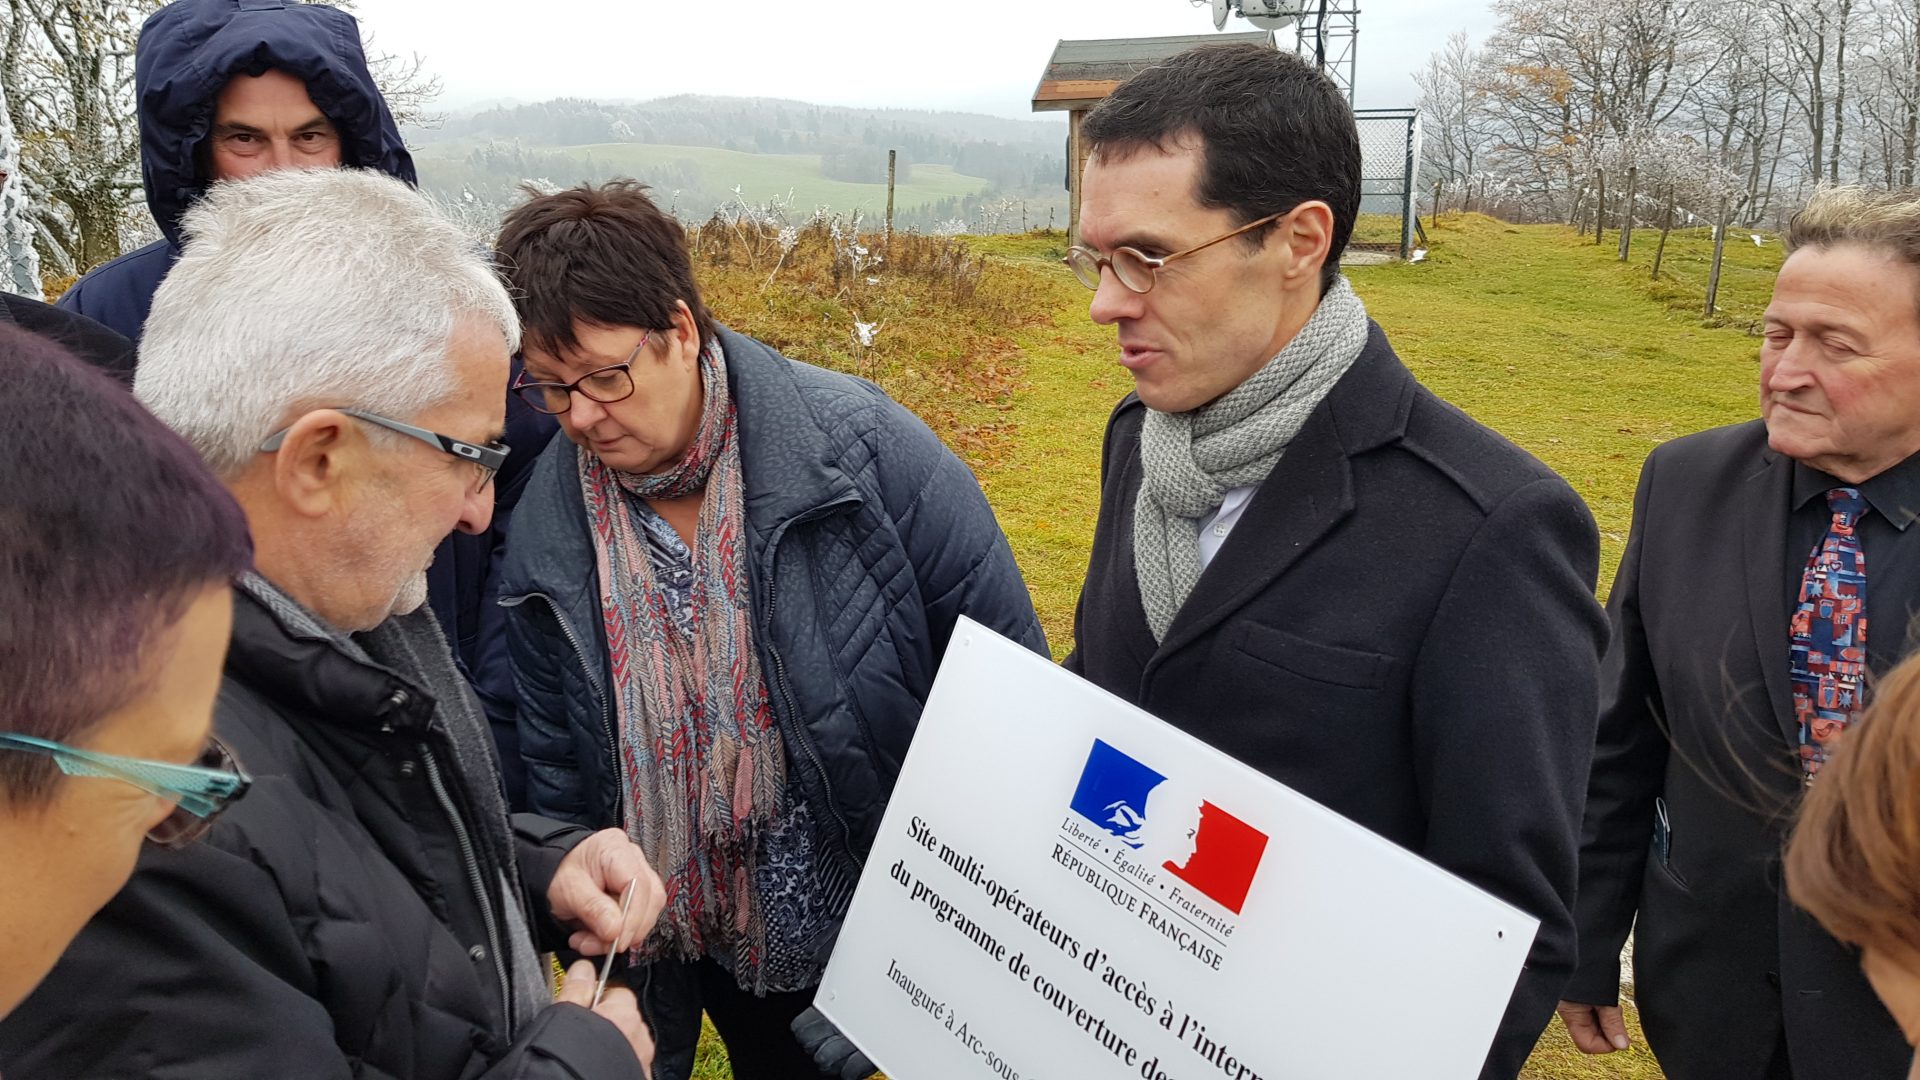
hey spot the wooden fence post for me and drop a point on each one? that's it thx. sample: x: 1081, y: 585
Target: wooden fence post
x: 1719, y: 253
x: 892, y: 162
x: 1600, y: 206
x: 1626, y: 214
x: 1438, y: 186
x: 1666, y: 226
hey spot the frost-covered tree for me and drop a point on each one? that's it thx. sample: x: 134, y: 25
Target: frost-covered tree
x: 1781, y: 94
x: 1889, y: 92
x: 1456, y: 130
x: 22, y: 269
x: 66, y: 70
x: 1570, y: 76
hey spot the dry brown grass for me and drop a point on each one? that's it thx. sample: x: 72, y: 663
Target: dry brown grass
x: 941, y: 316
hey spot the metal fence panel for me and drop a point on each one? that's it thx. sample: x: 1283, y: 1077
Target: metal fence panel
x: 1389, y: 178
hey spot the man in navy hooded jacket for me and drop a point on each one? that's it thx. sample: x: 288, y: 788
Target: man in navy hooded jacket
x: 229, y: 88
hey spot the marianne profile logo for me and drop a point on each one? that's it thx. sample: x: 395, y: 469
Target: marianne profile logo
x: 1211, y: 850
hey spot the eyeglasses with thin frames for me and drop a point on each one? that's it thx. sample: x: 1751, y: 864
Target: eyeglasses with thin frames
x: 487, y: 459
x: 605, y: 385
x: 198, y: 792
x: 1134, y: 268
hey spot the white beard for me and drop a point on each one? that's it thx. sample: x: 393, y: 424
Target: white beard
x: 412, y: 594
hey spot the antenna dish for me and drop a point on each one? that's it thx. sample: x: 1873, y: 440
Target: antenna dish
x: 1221, y: 9
x: 1271, y: 14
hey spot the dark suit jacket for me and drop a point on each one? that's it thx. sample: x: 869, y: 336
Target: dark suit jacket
x: 1696, y: 711
x: 1402, y: 627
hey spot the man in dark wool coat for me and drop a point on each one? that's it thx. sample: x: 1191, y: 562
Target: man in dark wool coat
x: 1303, y: 557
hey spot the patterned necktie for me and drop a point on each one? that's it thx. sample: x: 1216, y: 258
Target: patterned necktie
x: 1829, y: 642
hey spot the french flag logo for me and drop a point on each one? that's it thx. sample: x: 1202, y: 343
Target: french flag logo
x: 1187, y: 835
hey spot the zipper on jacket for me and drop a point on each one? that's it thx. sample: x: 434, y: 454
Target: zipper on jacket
x: 474, y: 879
x: 780, y: 677
x: 786, y: 690
x: 606, y: 699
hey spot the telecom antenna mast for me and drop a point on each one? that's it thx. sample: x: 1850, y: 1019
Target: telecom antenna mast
x: 1326, y: 32
x: 1329, y: 35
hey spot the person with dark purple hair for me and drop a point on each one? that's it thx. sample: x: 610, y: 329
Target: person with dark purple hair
x: 117, y: 553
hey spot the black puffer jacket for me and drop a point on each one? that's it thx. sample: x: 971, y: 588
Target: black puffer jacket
x: 327, y: 927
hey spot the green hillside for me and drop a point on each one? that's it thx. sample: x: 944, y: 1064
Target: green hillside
x: 759, y: 177
x: 765, y: 176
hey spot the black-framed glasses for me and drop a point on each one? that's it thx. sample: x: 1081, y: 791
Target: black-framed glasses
x: 1134, y: 268
x: 199, y: 792
x: 487, y: 459
x: 605, y: 385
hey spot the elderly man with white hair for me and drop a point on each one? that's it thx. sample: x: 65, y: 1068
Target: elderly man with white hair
x: 338, y: 353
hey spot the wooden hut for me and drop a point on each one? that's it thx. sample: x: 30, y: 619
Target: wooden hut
x: 1081, y: 73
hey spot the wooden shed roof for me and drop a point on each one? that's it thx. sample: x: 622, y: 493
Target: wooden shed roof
x: 1082, y: 72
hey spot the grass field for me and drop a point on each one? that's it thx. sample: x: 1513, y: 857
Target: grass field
x: 1583, y: 361
x: 1577, y: 358
x: 766, y: 176
x: 762, y: 177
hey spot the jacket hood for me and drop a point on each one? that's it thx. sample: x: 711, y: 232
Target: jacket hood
x: 190, y: 49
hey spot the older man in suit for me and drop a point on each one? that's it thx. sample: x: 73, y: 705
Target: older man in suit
x: 1303, y: 556
x: 1771, y: 570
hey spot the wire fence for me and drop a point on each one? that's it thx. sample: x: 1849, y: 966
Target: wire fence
x: 1389, y: 180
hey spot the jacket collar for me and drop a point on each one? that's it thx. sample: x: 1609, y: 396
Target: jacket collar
x: 790, y: 462
x: 1307, y: 495
x: 308, y: 670
x: 788, y: 459
x: 1371, y: 403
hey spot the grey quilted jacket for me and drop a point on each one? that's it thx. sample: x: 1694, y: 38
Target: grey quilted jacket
x: 867, y: 539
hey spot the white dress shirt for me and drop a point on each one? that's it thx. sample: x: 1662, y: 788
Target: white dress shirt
x: 1215, y: 527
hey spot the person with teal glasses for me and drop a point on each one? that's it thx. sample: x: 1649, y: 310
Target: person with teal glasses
x: 117, y: 550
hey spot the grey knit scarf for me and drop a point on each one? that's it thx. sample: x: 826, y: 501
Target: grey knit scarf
x: 1191, y: 460
x: 413, y: 647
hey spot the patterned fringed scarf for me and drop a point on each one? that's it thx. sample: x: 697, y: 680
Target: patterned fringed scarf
x: 705, y: 769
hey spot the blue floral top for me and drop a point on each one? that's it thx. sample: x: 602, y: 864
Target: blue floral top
x: 800, y: 909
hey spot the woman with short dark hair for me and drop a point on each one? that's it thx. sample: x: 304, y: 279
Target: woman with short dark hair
x: 117, y: 548
x: 729, y: 589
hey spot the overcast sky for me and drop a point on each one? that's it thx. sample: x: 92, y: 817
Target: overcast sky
x: 971, y: 55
